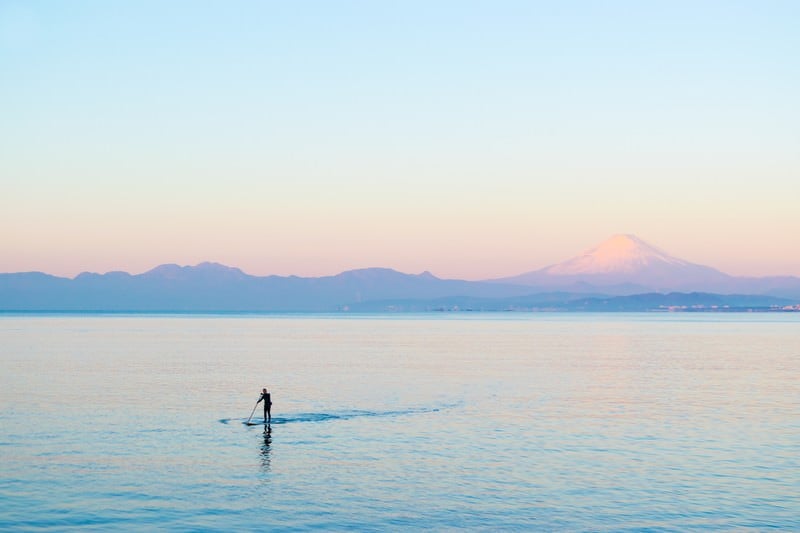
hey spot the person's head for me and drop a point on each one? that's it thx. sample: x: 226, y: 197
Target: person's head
x: 264, y: 389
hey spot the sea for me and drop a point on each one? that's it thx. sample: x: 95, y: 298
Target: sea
x: 449, y: 421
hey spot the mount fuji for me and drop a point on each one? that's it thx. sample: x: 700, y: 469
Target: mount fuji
x: 625, y: 264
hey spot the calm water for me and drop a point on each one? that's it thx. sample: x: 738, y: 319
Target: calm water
x: 493, y: 422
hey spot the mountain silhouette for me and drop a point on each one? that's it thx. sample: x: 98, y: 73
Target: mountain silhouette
x: 623, y: 265
x: 215, y: 287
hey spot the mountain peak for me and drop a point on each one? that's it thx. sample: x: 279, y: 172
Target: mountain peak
x: 621, y: 253
x: 209, y: 266
x: 623, y: 241
x: 205, y: 269
x: 625, y: 259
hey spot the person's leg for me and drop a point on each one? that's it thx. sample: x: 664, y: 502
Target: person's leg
x: 269, y: 413
x: 266, y: 411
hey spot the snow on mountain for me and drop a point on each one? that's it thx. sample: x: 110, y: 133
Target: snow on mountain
x: 620, y: 253
x: 625, y: 259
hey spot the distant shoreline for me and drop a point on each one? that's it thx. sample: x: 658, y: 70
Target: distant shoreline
x: 101, y: 312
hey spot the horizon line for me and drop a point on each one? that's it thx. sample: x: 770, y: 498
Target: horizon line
x: 357, y: 269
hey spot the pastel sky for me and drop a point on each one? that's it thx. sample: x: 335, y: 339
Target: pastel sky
x: 472, y: 139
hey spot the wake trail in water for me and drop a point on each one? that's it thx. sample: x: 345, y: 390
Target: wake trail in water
x: 328, y: 417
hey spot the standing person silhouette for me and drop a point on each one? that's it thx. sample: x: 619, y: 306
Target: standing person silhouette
x: 265, y: 396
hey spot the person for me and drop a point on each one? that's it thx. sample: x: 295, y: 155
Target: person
x: 265, y: 396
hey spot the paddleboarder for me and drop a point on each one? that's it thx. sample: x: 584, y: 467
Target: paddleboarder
x: 265, y: 396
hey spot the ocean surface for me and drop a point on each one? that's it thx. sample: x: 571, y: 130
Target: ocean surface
x: 553, y: 422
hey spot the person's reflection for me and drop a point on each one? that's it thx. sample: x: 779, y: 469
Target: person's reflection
x: 265, y: 448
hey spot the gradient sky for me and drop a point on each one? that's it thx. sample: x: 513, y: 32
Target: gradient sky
x: 471, y: 139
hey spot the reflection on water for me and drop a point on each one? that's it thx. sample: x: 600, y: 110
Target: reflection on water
x: 265, y: 448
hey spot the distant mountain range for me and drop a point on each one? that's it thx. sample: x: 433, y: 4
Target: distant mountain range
x: 215, y: 287
x: 623, y: 273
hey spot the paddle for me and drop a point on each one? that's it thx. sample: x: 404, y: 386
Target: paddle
x: 251, y: 413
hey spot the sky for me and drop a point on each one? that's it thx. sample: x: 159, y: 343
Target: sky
x: 472, y: 139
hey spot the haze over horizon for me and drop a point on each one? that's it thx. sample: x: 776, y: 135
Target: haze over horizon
x: 472, y: 140
x: 624, y: 256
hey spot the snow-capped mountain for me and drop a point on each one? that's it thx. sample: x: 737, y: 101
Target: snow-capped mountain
x: 625, y: 260
x: 620, y: 253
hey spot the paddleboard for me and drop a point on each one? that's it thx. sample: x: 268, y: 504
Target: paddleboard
x: 255, y: 423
